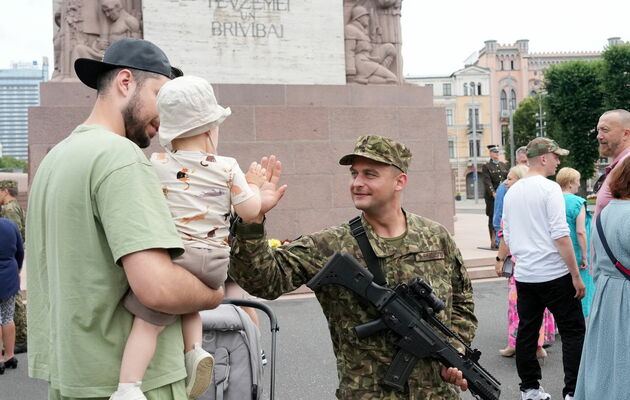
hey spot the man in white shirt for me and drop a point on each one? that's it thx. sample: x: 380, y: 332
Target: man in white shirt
x: 536, y: 232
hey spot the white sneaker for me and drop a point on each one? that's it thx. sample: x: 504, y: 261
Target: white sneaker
x: 132, y: 393
x: 568, y: 397
x: 535, y: 394
x: 199, y: 365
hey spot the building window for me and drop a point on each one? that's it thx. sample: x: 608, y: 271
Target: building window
x: 451, y: 148
x: 470, y: 118
x: 501, y: 65
x: 503, y: 100
x: 512, y: 100
x: 511, y: 64
x: 465, y: 89
x: 449, y: 117
x: 470, y: 147
x: 446, y: 89
x: 479, y: 89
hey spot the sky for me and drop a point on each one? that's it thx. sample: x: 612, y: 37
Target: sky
x: 438, y: 35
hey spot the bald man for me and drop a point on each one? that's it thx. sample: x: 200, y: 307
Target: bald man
x: 613, y: 135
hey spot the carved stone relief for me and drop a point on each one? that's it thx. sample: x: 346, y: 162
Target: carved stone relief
x: 373, y: 41
x: 85, y: 28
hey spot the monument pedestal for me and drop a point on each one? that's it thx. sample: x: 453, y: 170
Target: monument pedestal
x: 309, y: 128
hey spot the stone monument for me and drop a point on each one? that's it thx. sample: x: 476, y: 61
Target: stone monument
x: 303, y: 80
x: 87, y: 28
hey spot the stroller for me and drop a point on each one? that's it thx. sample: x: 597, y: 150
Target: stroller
x: 234, y: 341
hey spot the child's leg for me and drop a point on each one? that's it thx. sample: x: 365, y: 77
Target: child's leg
x: 192, y: 330
x: 199, y: 363
x: 139, y: 350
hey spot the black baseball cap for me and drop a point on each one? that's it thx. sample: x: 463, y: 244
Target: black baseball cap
x: 126, y: 53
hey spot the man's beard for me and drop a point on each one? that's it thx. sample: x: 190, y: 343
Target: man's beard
x: 134, y: 128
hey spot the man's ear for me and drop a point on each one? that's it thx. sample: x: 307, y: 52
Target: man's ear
x: 124, y: 82
x: 401, y: 181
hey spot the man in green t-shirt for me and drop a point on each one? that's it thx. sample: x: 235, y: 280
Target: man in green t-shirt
x: 98, y: 224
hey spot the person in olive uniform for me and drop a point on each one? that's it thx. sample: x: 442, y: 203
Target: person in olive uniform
x: 406, y: 246
x: 10, y: 208
x: 493, y: 173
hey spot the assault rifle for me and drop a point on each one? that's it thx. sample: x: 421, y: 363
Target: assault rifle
x: 409, y: 311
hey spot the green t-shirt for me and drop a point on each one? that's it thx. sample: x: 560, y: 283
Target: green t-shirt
x: 94, y: 199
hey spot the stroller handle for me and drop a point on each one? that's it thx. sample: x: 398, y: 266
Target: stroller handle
x: 273, y: 323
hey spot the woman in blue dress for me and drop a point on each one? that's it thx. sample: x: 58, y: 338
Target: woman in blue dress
x: 579, y: 220
x: 606, y: 353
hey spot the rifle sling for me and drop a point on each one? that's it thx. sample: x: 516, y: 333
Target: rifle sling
x: 358, y: 231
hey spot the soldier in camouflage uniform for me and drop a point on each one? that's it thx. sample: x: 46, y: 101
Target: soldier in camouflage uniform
x: 493, y: 173
x: 10, y: 208
x: 406, y: 245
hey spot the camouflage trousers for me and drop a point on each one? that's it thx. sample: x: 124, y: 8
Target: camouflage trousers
x: 20, y: 320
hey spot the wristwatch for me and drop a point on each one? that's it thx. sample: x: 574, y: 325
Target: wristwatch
x: 499, y: 259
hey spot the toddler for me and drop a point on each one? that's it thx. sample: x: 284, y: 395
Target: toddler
x: 200, y: 187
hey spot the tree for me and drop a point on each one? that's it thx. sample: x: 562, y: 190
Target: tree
x: 524, y: 123
x: 616, y: 77
x: 574, y: 103
x: 10, y: 163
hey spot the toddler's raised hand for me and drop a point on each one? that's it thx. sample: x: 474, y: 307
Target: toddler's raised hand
x: 256, y: 174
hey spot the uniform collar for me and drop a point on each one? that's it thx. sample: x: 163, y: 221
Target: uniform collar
x: 382, y: 248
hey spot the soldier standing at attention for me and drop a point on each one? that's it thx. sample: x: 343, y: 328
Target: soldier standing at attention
x: 10, y: 208
x: 406, y: 246
x: 493, y: 172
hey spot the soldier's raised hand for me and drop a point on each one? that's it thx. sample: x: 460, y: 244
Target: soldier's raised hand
x: 270, y: 191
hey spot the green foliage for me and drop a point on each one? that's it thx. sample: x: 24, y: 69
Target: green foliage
x: 616, y: 77
x: 11, y: 163
x: 574, y: 103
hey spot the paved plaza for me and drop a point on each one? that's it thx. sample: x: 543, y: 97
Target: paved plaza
x: 305, y: 361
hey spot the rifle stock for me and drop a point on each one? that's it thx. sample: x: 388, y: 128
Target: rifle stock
x: 405, y: 312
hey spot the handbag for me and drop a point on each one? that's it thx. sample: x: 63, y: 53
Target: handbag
x: 624, y: 271
x: 508, y: 267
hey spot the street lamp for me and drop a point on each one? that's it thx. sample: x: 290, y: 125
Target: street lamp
x: 474, y: 146
x: 541, y: 124
x: 511, y: 121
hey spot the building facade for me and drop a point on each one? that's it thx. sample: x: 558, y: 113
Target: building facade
x: 465, y: 96
x: 504, y: 75
x: 19, y: 90
x: 515, y: 74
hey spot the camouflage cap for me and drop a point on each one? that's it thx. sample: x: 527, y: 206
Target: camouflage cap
x: 380, y: 149
x: 539, y: 146
x: 8, y: 184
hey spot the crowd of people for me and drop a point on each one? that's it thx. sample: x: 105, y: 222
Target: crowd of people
x: 12, y: 308
x: 563, y: 265
x: 113, y: 314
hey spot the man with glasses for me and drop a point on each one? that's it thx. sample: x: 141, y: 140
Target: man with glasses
x: 613, y: 135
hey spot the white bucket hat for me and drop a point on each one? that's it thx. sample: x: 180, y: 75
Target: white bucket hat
x: 187, y: 107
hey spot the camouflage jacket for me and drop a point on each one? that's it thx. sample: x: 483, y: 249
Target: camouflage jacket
x: 13, y: 211
x: 427, y: 251
x: 493, y: 174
